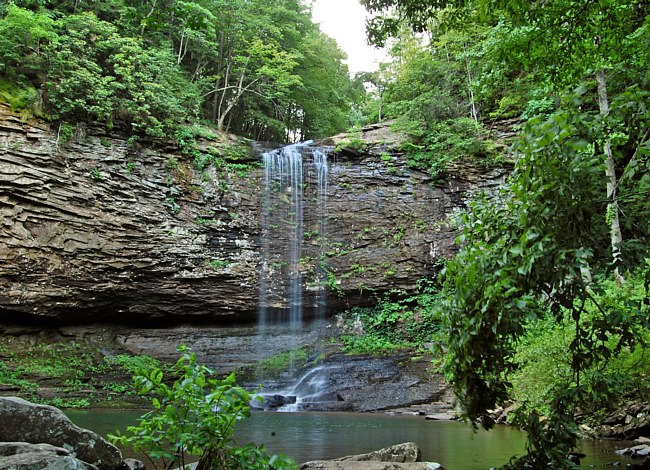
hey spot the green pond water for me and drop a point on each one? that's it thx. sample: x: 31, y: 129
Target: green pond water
x: 313, y: 436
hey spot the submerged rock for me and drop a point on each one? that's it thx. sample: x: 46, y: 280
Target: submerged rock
x: 23, y: 421
x: 640, y: 451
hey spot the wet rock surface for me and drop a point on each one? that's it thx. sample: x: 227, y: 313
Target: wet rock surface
x: 406, y: 452
x: 101, y: 229
x: 360, y: 383
x: 630, y: 421
x: 23, y: 421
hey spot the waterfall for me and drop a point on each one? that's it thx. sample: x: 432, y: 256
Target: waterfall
x: 322, y: 171
x: 283, y: 231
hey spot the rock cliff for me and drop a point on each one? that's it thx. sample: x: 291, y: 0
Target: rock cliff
x: 100, y: 228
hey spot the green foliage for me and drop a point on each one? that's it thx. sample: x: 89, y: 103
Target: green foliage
x: 66, y: 132
x: 443, y: 142
x: 219, y: 263
x: 134, y: 365
x: 526, y: 254
x: 545, y: 359
x: 274, y: 365
x: 261, y: 69
x: 66, y: 402
x: 397, y: 321
x: 96, y: 174
x: 13, y: 379
x: 20, y: 98
x: 354, y: 143
x: 195, y: 415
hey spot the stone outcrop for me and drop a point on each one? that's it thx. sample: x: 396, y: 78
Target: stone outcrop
x: 23, y: 421
x: 630, y: 421
x: 100, y: 228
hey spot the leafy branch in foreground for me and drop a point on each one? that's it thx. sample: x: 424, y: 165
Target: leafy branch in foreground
x: 531, y: 254
x: 196, y: 415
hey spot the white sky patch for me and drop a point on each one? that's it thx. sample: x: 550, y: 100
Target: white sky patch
x: 344, y: 20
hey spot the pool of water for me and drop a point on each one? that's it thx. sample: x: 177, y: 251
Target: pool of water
x: 314, y: 436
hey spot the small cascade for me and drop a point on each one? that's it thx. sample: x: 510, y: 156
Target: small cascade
x: 311, y: 387
x: 286, y: 178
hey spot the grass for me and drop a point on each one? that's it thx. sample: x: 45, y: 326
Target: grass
x: 20, y: 98
x: 80, y: 373
x: 275, y: 365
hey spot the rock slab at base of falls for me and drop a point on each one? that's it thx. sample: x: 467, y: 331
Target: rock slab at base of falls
x: 23, y: 421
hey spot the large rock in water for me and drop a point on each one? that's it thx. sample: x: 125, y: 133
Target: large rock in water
x: 406, y: 452
x: 23, y: 421
x: 99, y: 228
x: 406, y: 456
x: 25, y: 456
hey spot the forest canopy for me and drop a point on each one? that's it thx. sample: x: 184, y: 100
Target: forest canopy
x: 257, y: 68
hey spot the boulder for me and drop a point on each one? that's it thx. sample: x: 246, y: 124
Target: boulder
x: 26, y: 456
x: 134, y: 464
x: 272, y: 402
x: 402, y: 453
x: 640, y: 451
x: 354, y: 465
x: 401, y: 456
x: 23, y: 421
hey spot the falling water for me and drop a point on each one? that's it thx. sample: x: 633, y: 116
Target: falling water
x: 281, y: 280
x: 322, y: 170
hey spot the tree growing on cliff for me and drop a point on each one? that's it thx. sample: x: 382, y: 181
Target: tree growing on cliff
x: 246, y: 66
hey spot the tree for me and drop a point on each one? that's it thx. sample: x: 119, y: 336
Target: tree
x: 152, y: 64
x: 568, y: 38
x: 529, y: 252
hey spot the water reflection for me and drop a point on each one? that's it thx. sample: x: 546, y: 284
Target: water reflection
x: 313, y: 436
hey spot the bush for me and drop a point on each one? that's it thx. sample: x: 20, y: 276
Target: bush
x: 442, y: 142
x: 544, y: 356
x: 405, y: 321
x: 196, y: 415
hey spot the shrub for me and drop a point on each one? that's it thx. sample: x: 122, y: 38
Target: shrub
x: 195, y: 415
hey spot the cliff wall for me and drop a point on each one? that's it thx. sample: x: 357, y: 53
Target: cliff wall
x: 100, y: 228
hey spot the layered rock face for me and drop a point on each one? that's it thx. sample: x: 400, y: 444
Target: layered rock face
x: 99, y: 228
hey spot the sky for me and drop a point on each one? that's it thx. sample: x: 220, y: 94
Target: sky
x: 344, y: 20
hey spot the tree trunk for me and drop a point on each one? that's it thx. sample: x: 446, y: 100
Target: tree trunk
x: 610, y: 171
x: 469, y: 87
